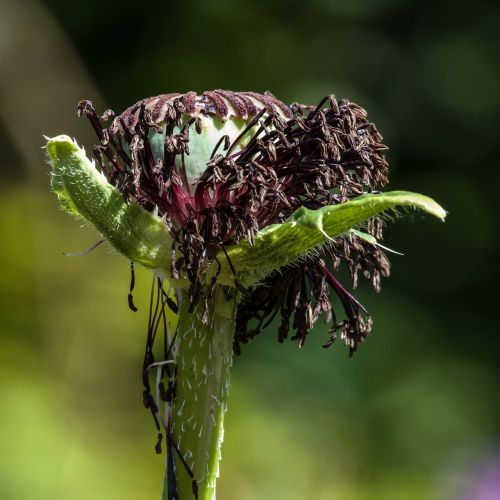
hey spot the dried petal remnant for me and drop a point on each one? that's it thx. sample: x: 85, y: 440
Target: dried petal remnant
x: 273, y: 160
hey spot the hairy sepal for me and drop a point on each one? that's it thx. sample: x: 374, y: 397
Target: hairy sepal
x: 279, y: 245
x: 85, y: 193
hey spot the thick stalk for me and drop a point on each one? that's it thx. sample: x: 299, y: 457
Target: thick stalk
x: 203, y: 359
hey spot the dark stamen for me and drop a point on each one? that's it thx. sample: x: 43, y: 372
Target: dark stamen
x: 85, y: 252
x: 309, y: 156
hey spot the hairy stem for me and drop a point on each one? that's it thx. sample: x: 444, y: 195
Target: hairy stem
x: 203, y: 359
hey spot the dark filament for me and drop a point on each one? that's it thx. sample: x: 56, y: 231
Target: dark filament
x: 131, y: 289
x: 298, y: 156
x: 166, y: 381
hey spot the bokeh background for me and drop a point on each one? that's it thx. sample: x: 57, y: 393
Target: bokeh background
x: 415, y: 414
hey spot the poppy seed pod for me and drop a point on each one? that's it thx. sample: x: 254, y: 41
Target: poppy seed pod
x: 246, y: 207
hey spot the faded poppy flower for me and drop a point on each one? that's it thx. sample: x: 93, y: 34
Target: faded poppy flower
x: 246, y: 207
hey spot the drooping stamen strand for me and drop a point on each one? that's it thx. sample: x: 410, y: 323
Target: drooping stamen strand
x: 131, y: 289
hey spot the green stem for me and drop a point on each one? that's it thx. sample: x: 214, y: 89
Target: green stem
x: 203, y: 359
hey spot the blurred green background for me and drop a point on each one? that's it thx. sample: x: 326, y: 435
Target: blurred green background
x: 415, y: 414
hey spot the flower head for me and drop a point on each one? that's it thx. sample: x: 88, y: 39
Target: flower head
x: 221, y: 166
x: 247, y: 207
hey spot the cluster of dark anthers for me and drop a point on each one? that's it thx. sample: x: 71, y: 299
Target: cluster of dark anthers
x: 296, y: 156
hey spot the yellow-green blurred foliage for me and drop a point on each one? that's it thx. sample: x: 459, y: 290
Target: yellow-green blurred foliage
x: 415, y: 413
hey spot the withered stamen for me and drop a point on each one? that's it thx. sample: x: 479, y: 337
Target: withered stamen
x: 298, y: 156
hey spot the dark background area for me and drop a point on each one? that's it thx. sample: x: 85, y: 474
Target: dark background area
x: 415, y: 413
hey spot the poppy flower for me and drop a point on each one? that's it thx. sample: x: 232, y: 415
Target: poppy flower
x: 245, y: 208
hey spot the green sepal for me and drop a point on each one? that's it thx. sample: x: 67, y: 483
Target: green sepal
x: 84, y: 192
x: 143, y: 237
x: 279, y: 245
